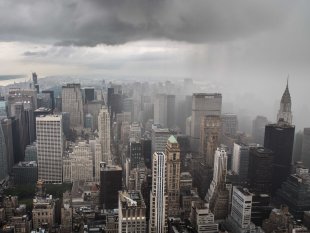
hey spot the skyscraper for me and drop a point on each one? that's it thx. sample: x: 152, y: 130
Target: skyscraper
x: 240, y: 161
x: 3, y: 156
x: 164, y: 110
x: 305, y: 149
x: 229, y: 124
x: 203, y: 104
x: 258, y: 129
x: 110, y: 184
x: 104, y: 134
x: 260, y: 169
x: 285, y: 112
x: 210, y: 131
x: 219, y: 172
x: 50, y: 148
x: 241, y: 208
x: 158, y: 200
x: 72, y: 102
x: 3, y: 109
x: 173, y: 175
x: 280, y: 139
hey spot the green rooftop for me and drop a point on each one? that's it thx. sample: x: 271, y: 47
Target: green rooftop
x: 172, y: 139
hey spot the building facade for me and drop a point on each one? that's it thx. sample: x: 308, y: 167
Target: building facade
x: 50, y: 148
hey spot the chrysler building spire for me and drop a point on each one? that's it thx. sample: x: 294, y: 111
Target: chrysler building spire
x: 285, y: 113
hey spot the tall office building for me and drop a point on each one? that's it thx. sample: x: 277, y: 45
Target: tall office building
x: 260, y: 169
x: 105, y: 134
x: 72, y: 102
x: 305, y: 149
x: 229, y: 124
x: 158, y: 209
x: 203, y: 104
x: 285, y: 112
x: 280, y: 139
x: 240, y: 161
x: 110, y: 185
x: 164, y: 110
x: 173, y: 176
x: 210, y: 132
x: 131, y: 212
x: 50, y: 148
x: 258, y: 129
x: 3, y: 156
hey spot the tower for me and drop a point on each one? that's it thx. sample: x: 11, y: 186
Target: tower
x: 285, y: 112
x: 280, y: 139
x: 210, y: 132
x: 72, y: 102
x: 3, y: 156
x: 173, y: 176
x: 158, y: 210
x: 50, y: 148
x: 202, y: 104
x: 104, y: 134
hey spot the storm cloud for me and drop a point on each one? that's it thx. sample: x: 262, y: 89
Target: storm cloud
x: 93, y: 22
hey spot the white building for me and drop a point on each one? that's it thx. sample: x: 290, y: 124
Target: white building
x: 241, y: 207
x: 50, y: 148
x: 158, y: 200
x: 131, y: 212
x: 79, y: 164
x: 285, y: 112
x: 219, y: 171
x: 202, y: 218
x: 135, y: 132
x: 203, y: 104
x: 104, y: 134
x: 72, y: 102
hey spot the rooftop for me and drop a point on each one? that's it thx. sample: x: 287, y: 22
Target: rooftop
x: 172, y: 139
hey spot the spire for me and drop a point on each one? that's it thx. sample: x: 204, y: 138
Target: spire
x: 286, y: 97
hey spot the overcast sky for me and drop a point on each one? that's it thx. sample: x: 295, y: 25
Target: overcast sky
x: 245, y: 47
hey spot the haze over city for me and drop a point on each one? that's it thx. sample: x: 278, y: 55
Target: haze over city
x: 112, y: 73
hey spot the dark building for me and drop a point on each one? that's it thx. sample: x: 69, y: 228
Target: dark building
x: 34, y: 78
x: 261, y: 208
x: 147, y: 152
x: 58, y: 104
x: 260, y: 169
x: 52, y: 98
x: 88, y: 94
x: 25, y: 173
x: 8, y: 137
x: 109, y: 97
x: 295, y: 192
x: 66, y: 124
x: 116, y: 104
x: 135, y: 154
x: 110, y: 184
x: 18, y: 150
x: 280, y: 139
x: 184, y: 144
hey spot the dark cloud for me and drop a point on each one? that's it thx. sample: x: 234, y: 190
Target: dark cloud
x: 92, y: 22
